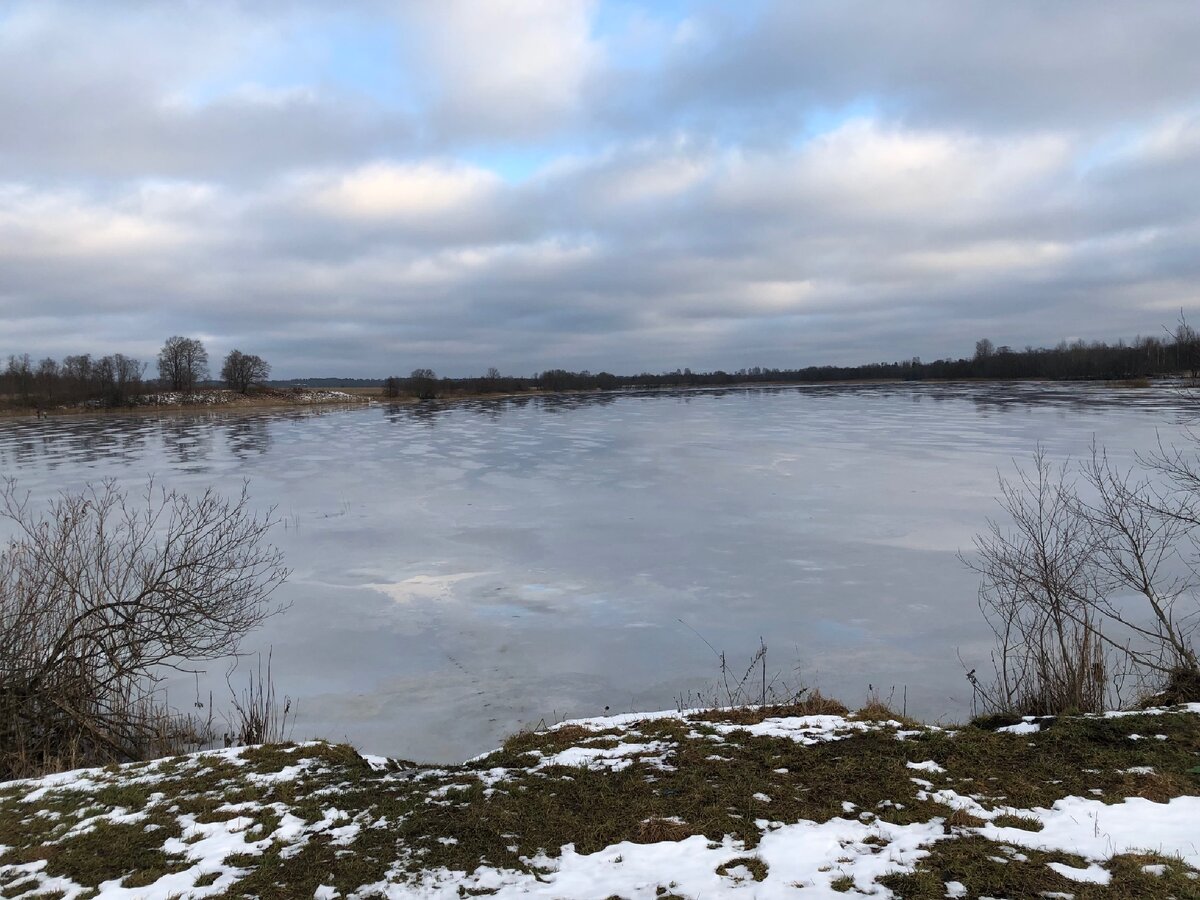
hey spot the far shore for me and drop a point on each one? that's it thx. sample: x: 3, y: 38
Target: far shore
x: 230, y: 402
x: 279, y: 398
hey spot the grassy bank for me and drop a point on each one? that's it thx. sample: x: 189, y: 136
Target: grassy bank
x: 798, y: 801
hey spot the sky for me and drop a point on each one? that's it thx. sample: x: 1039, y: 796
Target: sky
x: 365, y: 188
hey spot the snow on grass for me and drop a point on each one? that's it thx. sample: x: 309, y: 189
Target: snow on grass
x: 220, y: 397
x: 614, y: 758
x: 378, y: 763
x: 804, y: 859
x: 287, y: 773
x: 1193, y: 708
x: 804, y: 729
x: 635, y: 806
x: 1093, y: 874
x: 1097, y: 830
x: 927, y: 766
x: 625, y: 720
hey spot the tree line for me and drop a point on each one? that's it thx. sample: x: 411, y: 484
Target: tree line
x: 183, y: 365
x: 119, y: 380
x: 1177, y: 352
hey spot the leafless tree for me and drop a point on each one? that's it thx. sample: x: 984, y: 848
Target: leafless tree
x: 182, y: 363
x: 47, y: 377
x: 1095, y: 578
x: 20, y: 374
x: 422, y: 384
x: 118, y: 378
x: 1038, y: 595
x: 241, y: 371
x: 77, y: 372
x: 1186, y: 343
x: 102, y: 596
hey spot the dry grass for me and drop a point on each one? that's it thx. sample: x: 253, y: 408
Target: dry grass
x: 1025, y: 823
x: 656, y: 829
x: 1183, y: 686
x: 1138, y: 383
x: 813, y: 703
x: 757, y: 867
x: 960, y: 818
x: 875, y: 710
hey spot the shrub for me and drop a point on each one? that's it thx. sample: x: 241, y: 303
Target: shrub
x: 103, y: 594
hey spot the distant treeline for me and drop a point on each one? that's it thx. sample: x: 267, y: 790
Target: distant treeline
x: 118, y: 379
x: 325, y: 383
x: 1177, y: 353
x: 114, y: 380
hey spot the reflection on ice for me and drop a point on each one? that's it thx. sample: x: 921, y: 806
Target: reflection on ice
x: 422, y: 588
x: 465, y: 569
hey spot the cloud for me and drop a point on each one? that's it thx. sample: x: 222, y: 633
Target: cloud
x: 59, y: 224
x: 707, y: 186
x: 504, y: 68
x: 135, y: 91
x: 984, y: 65
x: 408, y: 192
x: 874, y: 172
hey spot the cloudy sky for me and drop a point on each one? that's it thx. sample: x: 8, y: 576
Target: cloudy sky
x: 364, y: 188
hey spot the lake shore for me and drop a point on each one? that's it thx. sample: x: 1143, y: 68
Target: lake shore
x: 200, y: 401
x: 276, y: 399
x: 808, y: 799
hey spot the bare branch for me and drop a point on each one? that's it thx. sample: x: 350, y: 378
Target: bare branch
x: 100, y: 594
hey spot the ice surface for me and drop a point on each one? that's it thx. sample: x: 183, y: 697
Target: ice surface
x: 463, y: 570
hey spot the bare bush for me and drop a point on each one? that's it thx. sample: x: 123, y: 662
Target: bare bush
x: 258, y: 717
x: 1143, y: 526
x: 1038, y: 595
x: 1091, y: 583
x: 101, y: 597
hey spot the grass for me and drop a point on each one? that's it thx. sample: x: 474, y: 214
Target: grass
x: 812, y: 704
x: 755, y: 866
x: 719, y: 774
x: 984, y: 871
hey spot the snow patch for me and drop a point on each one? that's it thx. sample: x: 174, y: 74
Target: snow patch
x: 928, y: 766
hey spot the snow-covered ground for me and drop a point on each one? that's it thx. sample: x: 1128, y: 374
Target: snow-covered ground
x: 221, y: 397
x: 321, y: 821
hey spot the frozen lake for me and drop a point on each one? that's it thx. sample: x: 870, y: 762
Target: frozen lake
x: 462, y: 570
